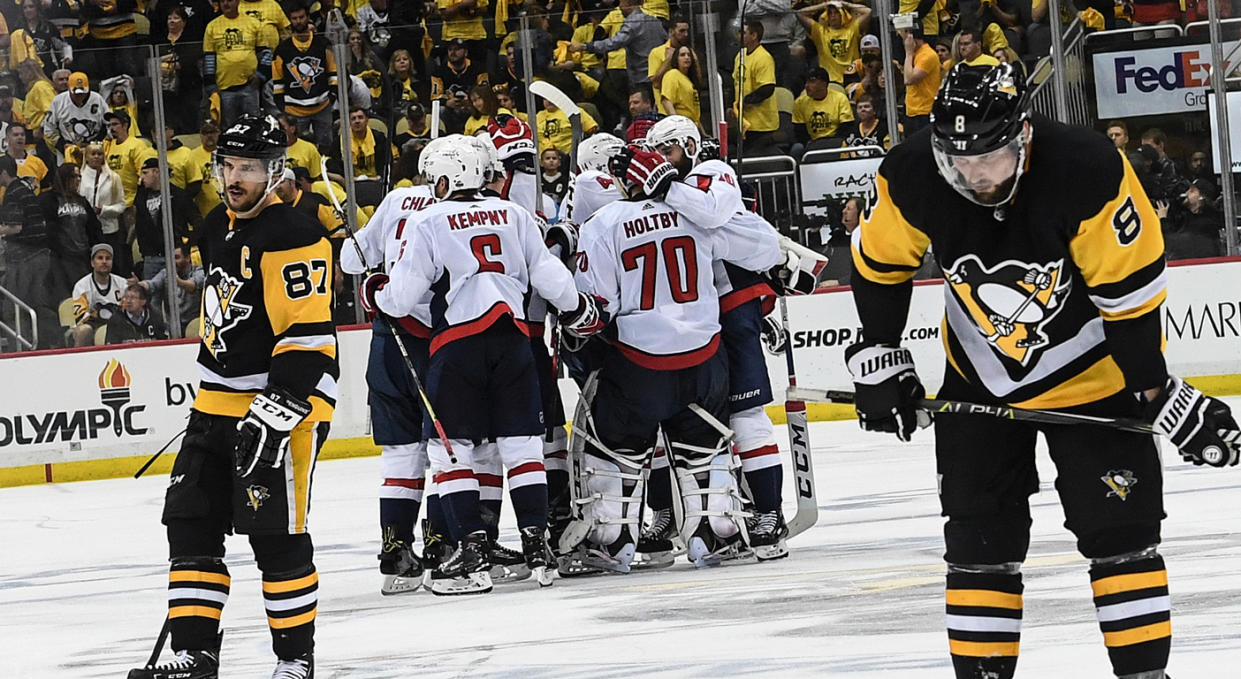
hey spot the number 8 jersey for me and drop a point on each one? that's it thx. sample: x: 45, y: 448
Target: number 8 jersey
x: 266, y: 311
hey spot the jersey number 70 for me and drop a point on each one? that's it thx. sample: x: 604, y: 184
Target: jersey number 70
x: 680, y: 265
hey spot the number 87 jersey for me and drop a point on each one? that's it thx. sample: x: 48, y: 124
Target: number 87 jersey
x: 653, y: 266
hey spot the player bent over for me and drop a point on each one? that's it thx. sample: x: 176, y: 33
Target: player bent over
x: 1050, y: 304
x: 268, y: 386
x: 479, y: 257
x: 396, y: 407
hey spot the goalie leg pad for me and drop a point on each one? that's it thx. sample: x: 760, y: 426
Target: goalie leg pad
x: 613, y: 500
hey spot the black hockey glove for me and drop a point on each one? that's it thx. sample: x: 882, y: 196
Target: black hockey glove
x: 798, y: 275
x: 561, y: 239
x: 1202, y: 428
x: 888, y: 389
x: 587, y: 319
x: 773, y: 337
x: 709, y: 149
x: 263, y: 434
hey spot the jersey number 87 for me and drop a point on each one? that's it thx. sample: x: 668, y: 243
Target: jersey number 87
x: 300, y: 278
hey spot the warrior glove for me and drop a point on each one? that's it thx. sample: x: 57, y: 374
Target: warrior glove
x: 643, y: 171
x: 887, y: 389
x: 1202, y: 428
x: 263, y: 434
x: 586, y: 320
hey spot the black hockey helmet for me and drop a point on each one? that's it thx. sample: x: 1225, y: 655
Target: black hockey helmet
x: 254, y: 136
x: 979, y: 117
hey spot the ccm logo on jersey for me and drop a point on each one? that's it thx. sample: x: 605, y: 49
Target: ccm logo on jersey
x: 464, y: 220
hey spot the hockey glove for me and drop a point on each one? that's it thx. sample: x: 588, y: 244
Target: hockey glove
x: 587, y: 319
x: 371, y: 285
x: 263, y: 434
x: 561, y: 239
x: 888, y: 389
x: 642, y: 171
x: 798, y: 275
x: 1202, y: 428
x: 773, y: 336
x: 709, y: 149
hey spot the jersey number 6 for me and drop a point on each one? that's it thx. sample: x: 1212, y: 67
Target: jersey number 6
x: 680, y: 265
x: 484, y: 248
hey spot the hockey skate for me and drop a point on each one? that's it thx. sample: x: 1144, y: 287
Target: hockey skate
x: 538, y: 555
x: 401, y: 567
x: 184, y: 665
x: 507, y: 565
x: 768, y: 534
x: 707, y: 550
x: 435, y: 547
x: 466, y: 571
x: 589, y: 559
x: 298, y: 668
x: 660, y: 543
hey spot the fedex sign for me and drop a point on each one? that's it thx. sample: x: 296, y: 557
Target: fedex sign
x: 1153, y: 81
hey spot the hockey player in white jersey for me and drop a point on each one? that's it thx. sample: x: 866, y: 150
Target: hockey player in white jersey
x: 479, y: 257
x: 592, y: 187
x: 396, y: 410
x: 650, y: 267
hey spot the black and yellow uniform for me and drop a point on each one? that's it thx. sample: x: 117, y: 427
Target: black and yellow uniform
x: 1052, y: 302
x: 304, y: 74
x: 318, y: 208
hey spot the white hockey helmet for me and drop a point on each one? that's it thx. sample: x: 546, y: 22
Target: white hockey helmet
x: 493, y: 169
x: 454, y: 159
x: 593, y: 153
x: 677, y: 130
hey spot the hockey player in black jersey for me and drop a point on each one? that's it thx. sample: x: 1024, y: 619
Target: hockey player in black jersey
x: 1054, y: 283
x: 268, y: 387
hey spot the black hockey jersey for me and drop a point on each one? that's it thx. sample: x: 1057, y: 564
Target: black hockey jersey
x: 304, y: 73
x: 1056, y: 305
x: 266, y: 311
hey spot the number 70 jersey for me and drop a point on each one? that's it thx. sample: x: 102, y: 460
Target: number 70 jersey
x: 653, y: 266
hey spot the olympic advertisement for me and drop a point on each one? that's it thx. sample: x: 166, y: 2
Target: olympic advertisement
x: 1157, y: 80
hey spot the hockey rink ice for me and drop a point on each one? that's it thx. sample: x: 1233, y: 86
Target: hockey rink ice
x: 83, y: 578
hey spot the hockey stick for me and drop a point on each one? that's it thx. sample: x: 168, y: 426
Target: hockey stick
x: 435, y: 119
x: 799, y: 439
x: 400, y: 345
x: 1128, y: 424
x: 562, y: 101
x: 142, y: 470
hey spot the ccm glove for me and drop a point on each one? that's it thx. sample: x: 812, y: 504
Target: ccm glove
x: 1202, y: 428
x: 645, y: 171
x: 263, y: 434
x: 586, y: 320
x: 888, y: 389
x: 370, y: 287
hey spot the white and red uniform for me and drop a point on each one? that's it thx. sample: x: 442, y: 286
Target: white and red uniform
x: 588, y: 192
x: 709, y: 196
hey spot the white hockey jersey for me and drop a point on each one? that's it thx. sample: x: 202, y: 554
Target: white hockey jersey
x: 736, y: 285
x: 709, y: 196
x: 480, y: 258
x: 92, y: 301
x: 653, y: 266
x: 588, y: 192
x: 72, y: 123
x: 382, y: 240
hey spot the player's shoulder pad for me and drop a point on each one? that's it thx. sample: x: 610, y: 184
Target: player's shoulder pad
x: 1077, y: 161
x: 913, y: 162
x: 285, y: 228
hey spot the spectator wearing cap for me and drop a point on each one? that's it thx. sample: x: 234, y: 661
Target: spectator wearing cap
x: 819, y: 113
x: 191, y: 278
x: 638, y: 35
x: 75, y: 117
x: 416, y: 127
x: 101, y: 187
x: 838, y: 40
x: 237, y: 53
x: 755, y: 89
x: 304, y: 79
x: 867, y: 46
x: 208, y: 195
x: 463, y: 22
x: 183, y: 172
x: 137, y: 321
x: 28, y: 164
x: 27, y: 252
x: 148, y: 218
x: 96, y: 296
x: 73, y: 227
x: 452, y: 82
x: 662, y: 58
x: 125, y: 152
x: 921, y: 71
x: 299, y: 153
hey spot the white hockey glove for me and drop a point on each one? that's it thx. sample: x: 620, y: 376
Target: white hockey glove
x: 1202, y: 428
x: 263, y: 434
x: 773, y: 337
x: 887, y: 389
x: 799, y: 274
x: 587, y: 319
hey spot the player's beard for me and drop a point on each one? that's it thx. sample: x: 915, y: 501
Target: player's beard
x: 997, y: 194
x: 242, y: 199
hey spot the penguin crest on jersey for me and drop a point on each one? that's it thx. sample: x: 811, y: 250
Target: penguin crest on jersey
x: 1011, y: 302
x: 220, y: 312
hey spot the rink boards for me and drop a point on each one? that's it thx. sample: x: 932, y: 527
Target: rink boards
x: 99, y: 413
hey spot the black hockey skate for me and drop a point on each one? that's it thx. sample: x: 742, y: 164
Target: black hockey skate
x: 659, y: 543
x: 466, y: 571
x: 401, y: 567
x: 768, y: 533
x: 183, y: 665
x: 298, y: 668
x: 435, y: 547
x: 507, y: 565
x: 706, y: 549
x: 538, y: 555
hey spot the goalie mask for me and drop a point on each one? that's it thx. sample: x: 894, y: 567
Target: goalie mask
x: 593, y: 153
x: 251, y: 151
x: 980, y: 132
x: 680, y: 132
x: 455, y: 161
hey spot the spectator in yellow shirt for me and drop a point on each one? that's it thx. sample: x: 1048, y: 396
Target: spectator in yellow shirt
x: 969, y: 44
x: 208, y: 195
x: 464, y: 19
x: 681, y: 86
x: 660, y: 59
x: 28, y: 164
x: 554, y: 130
x: 183, y: 171
x: 300, y: 153
x: 922, y: 79
x: 125, y: 152
x: 837, y: 40
x: 237, y: 53
x: 820, y: 112
x: 756, y: 89
x: 39, y: 95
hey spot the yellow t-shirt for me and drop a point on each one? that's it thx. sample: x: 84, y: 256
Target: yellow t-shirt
x: 983, y: 59
x: 182, y: 168
x: 930, y: 23
x: 125, y: 159
x: 655, y: 60
x: 584, y: 34
x: 32, y: 166
x: 208, y: 194
x: 554, y: 129
x: 760, y: 69
x: 266, y: 12
x: 38, y: 102
x: 920, y: 96
x: 657, y: 8
x: 233, y: 42
x: 474, y: 124
x: 304, y: 154
x: 681, y: 92
x: 464, y: 27
x: 837, y: 48
x: 611, y: 25
x: 822, y: 117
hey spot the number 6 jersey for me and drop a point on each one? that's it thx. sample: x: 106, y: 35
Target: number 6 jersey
x: 266, y: 311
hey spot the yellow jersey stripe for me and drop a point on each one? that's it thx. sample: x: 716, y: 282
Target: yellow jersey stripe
x: 194, y: 612
x: 283, y: 586
x: 1129, y: 582
x: 199, y: 576
x: 285, y: 623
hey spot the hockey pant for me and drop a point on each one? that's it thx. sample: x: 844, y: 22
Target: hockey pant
x: 205, y: 500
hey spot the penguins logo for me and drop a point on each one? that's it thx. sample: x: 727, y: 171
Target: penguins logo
x: 305, y: 70
x: 1120, y: 481
x: 256, y: 496
x: 220, y: 310
x: 1011, y: 302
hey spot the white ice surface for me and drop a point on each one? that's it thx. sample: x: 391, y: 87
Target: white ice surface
x: 83, y: 577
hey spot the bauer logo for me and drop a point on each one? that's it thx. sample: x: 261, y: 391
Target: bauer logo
x: 115, y: 418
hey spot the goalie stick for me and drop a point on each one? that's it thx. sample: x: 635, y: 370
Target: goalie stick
x: 799, y: 439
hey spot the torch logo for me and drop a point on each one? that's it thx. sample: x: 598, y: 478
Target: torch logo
x: 114, y: 384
